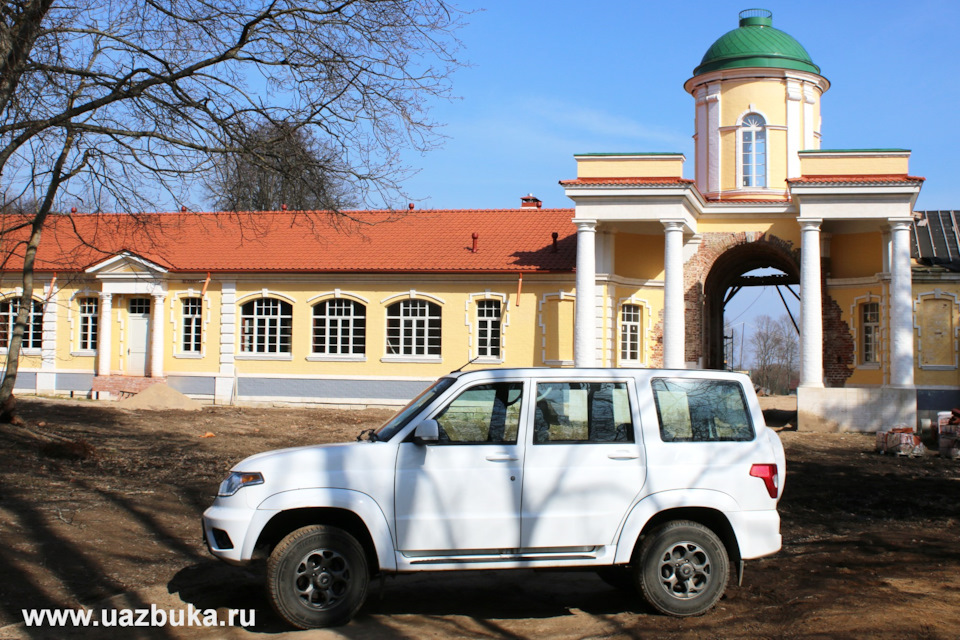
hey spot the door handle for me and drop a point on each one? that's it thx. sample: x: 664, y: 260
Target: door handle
x: 623, y: 455
x: 501, y: 457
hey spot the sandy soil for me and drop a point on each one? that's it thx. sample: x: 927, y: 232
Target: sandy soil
x: 870, y: 541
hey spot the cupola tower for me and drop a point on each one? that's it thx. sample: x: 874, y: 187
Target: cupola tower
x: 758, y: 104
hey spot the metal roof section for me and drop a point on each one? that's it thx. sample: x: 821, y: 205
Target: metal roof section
x: 936, y: 239
x: 756, y: 43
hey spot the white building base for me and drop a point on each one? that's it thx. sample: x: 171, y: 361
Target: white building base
x: 855, y: 409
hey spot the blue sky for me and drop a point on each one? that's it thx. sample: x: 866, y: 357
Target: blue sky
x: 548, y: 80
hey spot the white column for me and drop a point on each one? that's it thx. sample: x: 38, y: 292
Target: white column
x: 584, y: 330
x: 156, y: 336
x: 901, y: 314
x: 104, y: 335
x: 811, y: 312
x: 674, y: 327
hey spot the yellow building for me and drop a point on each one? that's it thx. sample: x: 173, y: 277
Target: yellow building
x: 283, y: 307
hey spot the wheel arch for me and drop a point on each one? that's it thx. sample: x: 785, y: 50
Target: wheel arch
x: 709, y: 508
x: 288, y: 521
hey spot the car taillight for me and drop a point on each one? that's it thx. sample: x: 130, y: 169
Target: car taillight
x: 767, y: 473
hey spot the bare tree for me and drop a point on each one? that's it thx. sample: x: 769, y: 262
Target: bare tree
x: 282, y: 164
x: 121, y: 105
x: 775, y: 353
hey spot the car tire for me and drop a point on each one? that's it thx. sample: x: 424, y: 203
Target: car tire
x: 619, y: 577
x: 317, y: 576
x: 682, y: 568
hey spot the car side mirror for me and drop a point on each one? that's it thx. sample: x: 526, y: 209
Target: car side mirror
x: 427, y: 432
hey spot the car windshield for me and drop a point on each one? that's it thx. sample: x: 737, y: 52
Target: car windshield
x: 399, y: 421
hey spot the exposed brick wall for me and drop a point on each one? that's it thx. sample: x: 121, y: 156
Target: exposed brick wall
x: 838, y: 346
x: 118, y: 386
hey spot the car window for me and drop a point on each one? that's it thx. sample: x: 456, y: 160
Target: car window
x: 698, y: 410
x: 392, y: 426
x: 487, y: 414
x: 572, y: 412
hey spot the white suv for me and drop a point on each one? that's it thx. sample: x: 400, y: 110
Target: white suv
x: 658, y: 479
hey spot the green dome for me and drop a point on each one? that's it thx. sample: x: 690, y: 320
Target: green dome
x: 756, y: 44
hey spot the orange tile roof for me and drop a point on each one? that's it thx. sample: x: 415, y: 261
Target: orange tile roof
x: 901, y: 178
x: 438, y: 241
x: 638, y: 181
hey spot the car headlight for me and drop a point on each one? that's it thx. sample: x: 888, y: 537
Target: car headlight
x: 237, y: 480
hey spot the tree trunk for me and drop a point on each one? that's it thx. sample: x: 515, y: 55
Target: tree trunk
x: 19, y: 327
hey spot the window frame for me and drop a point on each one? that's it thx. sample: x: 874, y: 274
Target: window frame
x: 487, y: 325
x: 356, y: 323
x: 747, y: 160
x: 869, y: 338
x: 33, y: 332
x: 637, y: 335
x: 408, y: 329
x: 88, y: 327
x: 191, y: 333
x: 275, y: 326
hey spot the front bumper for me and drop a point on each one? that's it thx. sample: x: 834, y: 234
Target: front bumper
x: 231, y: 533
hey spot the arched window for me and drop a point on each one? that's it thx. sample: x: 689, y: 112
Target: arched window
x: 32, y: 333
x: 413, y: 328
x: 753, y: 151
x: 266, y: 326
x: 339, y: 328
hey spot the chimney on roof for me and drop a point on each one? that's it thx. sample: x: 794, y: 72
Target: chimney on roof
x: 530, y: 201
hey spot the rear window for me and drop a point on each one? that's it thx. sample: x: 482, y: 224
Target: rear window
x: 699, y: 410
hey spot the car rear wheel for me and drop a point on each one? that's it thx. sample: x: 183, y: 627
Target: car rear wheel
x: 317, y: 577
x: 682, y: 568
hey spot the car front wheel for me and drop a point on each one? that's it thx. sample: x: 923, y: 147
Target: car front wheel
x: 682, y: 568
x: 317, y: 577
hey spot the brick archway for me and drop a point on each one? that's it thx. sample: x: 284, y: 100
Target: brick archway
x: 722, y: 259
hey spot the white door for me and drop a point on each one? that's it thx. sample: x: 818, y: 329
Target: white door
x: 584, y: 465
x: 462, y: 494
x: 138, y: 337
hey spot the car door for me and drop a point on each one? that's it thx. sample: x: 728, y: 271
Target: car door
x: 462, y: 494
x: 584, y: 463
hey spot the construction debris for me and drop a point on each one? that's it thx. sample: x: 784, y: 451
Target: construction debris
x: 900, y: 440
x: 160, y: 397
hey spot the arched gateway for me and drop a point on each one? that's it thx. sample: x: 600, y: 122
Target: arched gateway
x: 652, y: 244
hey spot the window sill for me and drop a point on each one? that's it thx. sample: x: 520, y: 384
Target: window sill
x: 938, y: 367
x: 488, y: 360
x: 24, y: 352
x: 325, y: 358
x: 86, y: 353
x: 265, y: 356
x: 869, y: 366
x: 189, y: 355
x: 413, y: 359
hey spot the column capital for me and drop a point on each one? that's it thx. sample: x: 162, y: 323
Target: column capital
x: 672, y: 224
x: 900, y: 224
x: 105, y: 297
x: 810, y: 223
x: 588, y: 225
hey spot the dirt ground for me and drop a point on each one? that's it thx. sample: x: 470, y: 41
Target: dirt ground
x: 871, y: 542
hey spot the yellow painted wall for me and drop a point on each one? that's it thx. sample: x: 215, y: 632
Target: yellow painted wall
x: 849, y: 298
x: 630, y: 166
x: 639, y: 256
x: 856, y: 164
x: 856, y: 255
